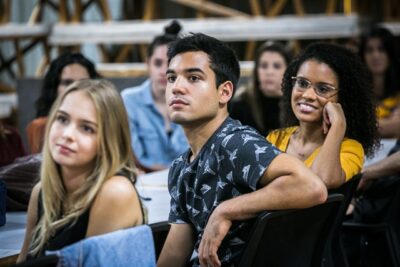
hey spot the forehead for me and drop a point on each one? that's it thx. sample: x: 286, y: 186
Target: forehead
x: 317, y: 71
x: 271, y: 56
x: 374, y: 42
x: 74, y: 71
x: 78, y: 104
x: 190, y: 60
x: 160, y: 52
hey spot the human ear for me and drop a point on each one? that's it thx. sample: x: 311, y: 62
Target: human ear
x: 225, y: 91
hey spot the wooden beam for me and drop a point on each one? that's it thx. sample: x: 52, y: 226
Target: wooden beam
x: 212, y: 8
x: 255, y: 7
x: 330, y: 7
x: 225, y: 29
x: 276, y: 8
x: 299, y: 8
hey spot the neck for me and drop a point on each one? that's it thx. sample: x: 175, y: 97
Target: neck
x: 73, y: 179
x: 379, y: 85
x: 310, y: 133
x: 199, y: 133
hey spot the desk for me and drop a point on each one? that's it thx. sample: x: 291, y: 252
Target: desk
x: 152, y: 186
x: 12, y: 234
x: 386, y: 145
x: 153, y: 189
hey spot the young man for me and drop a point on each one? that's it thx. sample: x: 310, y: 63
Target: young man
x: 230, y: 173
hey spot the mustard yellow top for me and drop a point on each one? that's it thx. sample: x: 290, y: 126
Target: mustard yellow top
x: 387, y: 106
x: 351, y: 151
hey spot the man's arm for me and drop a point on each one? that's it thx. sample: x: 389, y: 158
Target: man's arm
x: 387, y: 166
x: 390, y: 127
x: 286, y: 184
x: 178, y: 246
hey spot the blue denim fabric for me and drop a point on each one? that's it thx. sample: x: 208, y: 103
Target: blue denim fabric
x: 150, y: 142
x: 123, y: 248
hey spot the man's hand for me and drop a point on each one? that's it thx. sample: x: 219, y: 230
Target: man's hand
x: 216, y: 229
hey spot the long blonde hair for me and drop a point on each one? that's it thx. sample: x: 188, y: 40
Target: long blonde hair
x: 113, y: 155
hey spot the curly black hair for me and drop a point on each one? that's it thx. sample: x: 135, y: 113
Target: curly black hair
x: 355, y: 92
x: 53, y: 76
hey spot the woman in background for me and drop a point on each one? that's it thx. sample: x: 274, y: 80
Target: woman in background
x: 156, y: 141
x: 257, y: 104
x: 87, y: 176
x: 62, y: 72
x: 377, y: 49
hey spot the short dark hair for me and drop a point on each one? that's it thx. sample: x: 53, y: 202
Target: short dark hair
x: 223, y: 60
x: 392, y: 78
x: 171, y: 32
x: 53, y: 76
x: 355, y: 91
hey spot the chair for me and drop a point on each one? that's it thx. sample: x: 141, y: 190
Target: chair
x: 44, y: 261
x: 378, y: 243
x: 291, y: 237
x: 160, y: 231
x: 334, y: 254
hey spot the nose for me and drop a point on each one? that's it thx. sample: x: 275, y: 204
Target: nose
x: 309, y: 93
x: 178, y: 87
x: 68, y: 132
x: 163, y: 69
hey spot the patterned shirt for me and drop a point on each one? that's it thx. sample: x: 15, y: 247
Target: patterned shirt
x: 230, y: 164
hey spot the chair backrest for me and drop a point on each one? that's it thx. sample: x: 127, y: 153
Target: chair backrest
x: 292, y: 237
x: 160, y: 231
x: 43, y: 261
x: 334, y: 254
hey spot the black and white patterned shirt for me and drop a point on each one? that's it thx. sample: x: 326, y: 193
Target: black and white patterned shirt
x: 229, y: 164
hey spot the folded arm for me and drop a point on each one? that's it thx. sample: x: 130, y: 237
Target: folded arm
x: 286, y: 184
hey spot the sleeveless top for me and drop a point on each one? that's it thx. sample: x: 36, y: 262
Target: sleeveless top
x: 76, y: 230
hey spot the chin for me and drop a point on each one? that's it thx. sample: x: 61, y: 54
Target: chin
x: 271, y: 92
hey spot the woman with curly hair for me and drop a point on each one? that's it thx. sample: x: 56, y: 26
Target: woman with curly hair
x: 63, y: 71
x: 257, y: 104
x: 87, y: 175
x: 377, y: 49
x: 328, y: 112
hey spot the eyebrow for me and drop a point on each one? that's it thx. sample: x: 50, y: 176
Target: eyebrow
x: 189, y: 70
x: 85, y: 121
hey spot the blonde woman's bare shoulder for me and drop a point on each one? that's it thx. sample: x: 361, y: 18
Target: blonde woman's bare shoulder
x: 115, y: 207
x: 117, y: 188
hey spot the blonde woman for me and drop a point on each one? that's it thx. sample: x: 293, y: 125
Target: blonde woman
x: 87, y: 176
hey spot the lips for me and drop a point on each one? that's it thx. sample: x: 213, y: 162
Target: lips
x: 64, y: 149
x: 306, y: 108
x: 178, y: 102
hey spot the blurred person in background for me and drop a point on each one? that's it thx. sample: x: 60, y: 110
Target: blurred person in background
x: 257, y: 104
x: 63, y: 71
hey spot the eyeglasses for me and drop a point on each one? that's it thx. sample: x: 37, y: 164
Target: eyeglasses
x: 321, y: 89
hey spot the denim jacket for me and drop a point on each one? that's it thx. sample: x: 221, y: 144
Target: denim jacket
x: 123, y: 248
